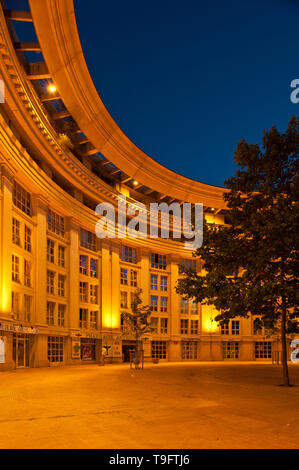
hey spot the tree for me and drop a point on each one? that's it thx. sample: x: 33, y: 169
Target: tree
x: 138, y: 322
x: 251, y: 264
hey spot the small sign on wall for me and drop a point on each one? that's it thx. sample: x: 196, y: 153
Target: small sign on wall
x: 76, y: 348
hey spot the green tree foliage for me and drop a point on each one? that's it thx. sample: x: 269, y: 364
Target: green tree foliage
x: 251, y: 264
x: 138, y: 322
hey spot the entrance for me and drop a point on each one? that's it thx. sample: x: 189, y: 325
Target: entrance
x: 21, y: 350
x: 128, y: 346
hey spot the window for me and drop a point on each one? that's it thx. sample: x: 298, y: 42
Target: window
x: 230, y: 349
x: 50, y: 250
x: 27, y: 239
x: 194, y: 327
x: 154, y: 282
x: 159, y: 349
x: 61, y: 285
x: 15, y: 269
x: 15, y: 304
x: 128, y: 255
x: 27, y: 307
x: 83, y: 264
x: 263, y: 350
x: 225, y: 328
x: 94, y: 268
x: 50, y: 313
x: 22, y: 199
x: 193, y: 307
x: 61, y: 314
x: 55, y: 348
x: 55, y: 223
x: 235, y: 327
x: 88, y: 240
x: 189, y: 349
x: 50, y: 282
x: 61, y: 256
x: 83, y: 292
x: 164, y: 326
x: 158, y: 261
x: 83, y: 317
x: 16, y: 238
x: 257, y: 326
x: 154, y: 303
x: 187, y: 265
x: 184, y: 327
x: 133, y: 278
x: 93, y: 294
x: 184, y: 306
x: 124, y: 276
x: 154, y: 325
x: 163, y: 283
x: 27, y: 273
x: 93, y: 320
x: 163, y: 304
x: 124, y: 299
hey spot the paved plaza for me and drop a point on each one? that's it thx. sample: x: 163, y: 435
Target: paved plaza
x: 172, y: 405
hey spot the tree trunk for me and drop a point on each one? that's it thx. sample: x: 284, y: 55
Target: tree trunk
x: 284, y: 359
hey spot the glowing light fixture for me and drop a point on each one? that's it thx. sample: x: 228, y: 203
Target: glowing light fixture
x: 135, y: 183
x: 52, y: 88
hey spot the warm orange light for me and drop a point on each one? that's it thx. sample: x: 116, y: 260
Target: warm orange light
x: 210, y: 325
x: 52, y: 88
x: 135, y: 183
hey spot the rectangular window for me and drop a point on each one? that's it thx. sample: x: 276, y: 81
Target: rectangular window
x: 15, y: 304
x: 93, y: 294
x: 189, y: 349
x: 133, y: 278
x: 158, y: 261
x: 94, y: 268
x: 154, y: 325
x: 16, y: 237
x: 27, y: 307
x: 184, y: 327
x: 27, y: 240
x: 230, y: 349
x: 128, y: 255
x: 61, y: 256
x: 50, y: 313
x: 263, y: 350
x: 164, y: 326
x: 88, y: 240
x: 235, y: 327
x: 15, y: 269
x: 163, y: 304
x: 55, y: 348
x: 194, y: 327
x: 83, y: 317
x: 159, y: 349
x: 50, y: 251
x: 124, y: 299
x: 154, y: 282
x: 61, y: 285
x: 84, y: 292
x: 187, y: 265
x: 50, y: 282
x: 83, y: 264
x: 56, y: 223
x: 163, y: 283
x: 93, y: 320
x: 27, y: 273
x: 225, y: 328
x: 124, y: 276
x: 193, y: 307
x: 154, y: 303
x: 184, y: 306
x: 61, y: 314
x: 22, y: 199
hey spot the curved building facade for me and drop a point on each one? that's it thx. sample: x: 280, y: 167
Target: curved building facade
x: 62, y: 289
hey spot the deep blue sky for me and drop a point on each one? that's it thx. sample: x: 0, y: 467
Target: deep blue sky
x: 188, y: 80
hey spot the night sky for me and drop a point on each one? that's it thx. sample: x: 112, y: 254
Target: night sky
x: 186, y: 81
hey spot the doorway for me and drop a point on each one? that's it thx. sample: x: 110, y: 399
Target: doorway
x: 127, y: 346
x: 21, y: 350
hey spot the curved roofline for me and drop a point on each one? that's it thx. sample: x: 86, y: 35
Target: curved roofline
x: 57, y: 32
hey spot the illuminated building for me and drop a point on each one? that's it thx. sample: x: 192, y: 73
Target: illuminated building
x: 61, y: 153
